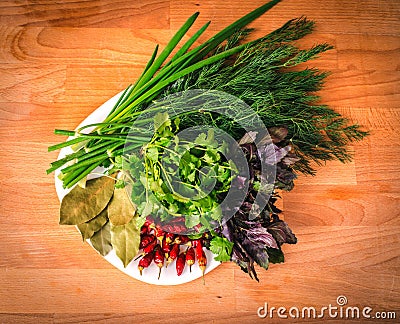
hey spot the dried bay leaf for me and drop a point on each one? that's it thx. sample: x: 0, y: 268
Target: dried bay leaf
x: 82, y: 204
x: 125, y: 240
x: 120, y: 209
x: 92, y: 226
x: 101, y: 240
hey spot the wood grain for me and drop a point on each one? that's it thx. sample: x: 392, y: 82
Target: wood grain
x: 92, y: 13
x: 59, y: 60
x: 352, y: 17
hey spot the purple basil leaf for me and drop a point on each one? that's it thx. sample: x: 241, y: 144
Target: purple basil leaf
x: 267, y: 154
x: 276, y: 255
x: 225, y: 231
x: 260, y: 237
x: 281, y: 152
x: 257, y: 252
x: 242, y: 259
x: 248, y: 138
x: 239, y: 182
x: 239, y: 258
x: 284, y: 175
x: 256, y: 241
x: 282, y: 233
x: 272, y: 154
x: 290, y: 159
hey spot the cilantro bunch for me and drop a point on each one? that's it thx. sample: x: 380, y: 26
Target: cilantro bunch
x: 173, y: 177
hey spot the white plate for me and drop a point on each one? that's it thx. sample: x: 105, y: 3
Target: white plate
x: 150, y: 274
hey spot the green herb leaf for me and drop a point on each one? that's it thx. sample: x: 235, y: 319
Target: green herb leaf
x: 207, y: 140
x: 120, y: 183
x: 120, y: 209
x: 216, y: 213
x: 192, y: 220
x: 88, y: 228
x: 146, y: 207
x: 161, y: 121
x: 222, y: 247
x: 140, y: 221
x: 118, y: 162
x: 125, y: 240
x: 101, y: 240
x: 80, y: 205
x: 152, y: 154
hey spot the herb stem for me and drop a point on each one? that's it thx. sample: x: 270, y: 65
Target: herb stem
x: 83, y: 163
x: 79, y: 174
x: 65, y: 144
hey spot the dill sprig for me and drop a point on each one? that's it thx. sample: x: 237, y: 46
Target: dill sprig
x: 262, y: 75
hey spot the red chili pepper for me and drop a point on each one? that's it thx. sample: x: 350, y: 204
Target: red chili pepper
x: 180, y: 263
x: 149, y: 222
x: 198, y: 245
x: 194, y: 243
x: 150, y: 248
x: 146, y: 240
x: 181, y: 239
x: 144, y: 230
x: 201, y: 258
x: 159, y: 259
x: 145, y: 261
x: 190, y: 257
x: 166, y: 247
x: 147, y: 249
x: 175, y: 228
x: 173, y: 254
x: 159, y: 233
x: 146, y: 227
x: 169, y: 237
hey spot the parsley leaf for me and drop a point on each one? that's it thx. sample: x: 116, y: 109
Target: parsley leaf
x: 222, y: 247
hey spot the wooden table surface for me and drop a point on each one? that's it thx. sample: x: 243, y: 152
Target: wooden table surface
x: 62, y: 59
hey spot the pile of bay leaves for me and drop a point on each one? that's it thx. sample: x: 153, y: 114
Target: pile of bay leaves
x: 105, y: 215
